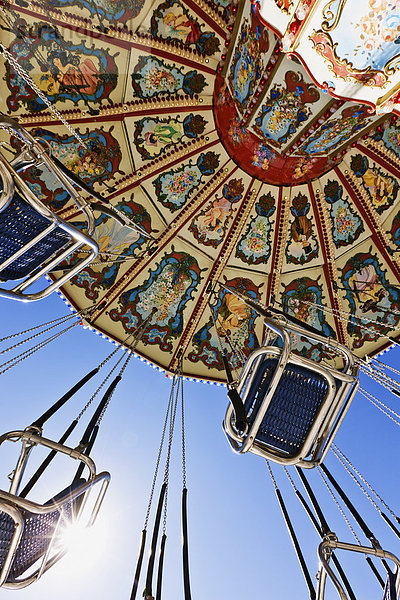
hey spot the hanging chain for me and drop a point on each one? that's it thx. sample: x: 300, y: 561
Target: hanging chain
x: 339, y: 506
x: 18, y: 359
x: 109, y: 400
x: 32, y: 337
x: 183, y: 441
x: 13, y: 335
x: 384, y: 365
x: 169, y: 408
x: 369, y: 486
x: 25, y: 75
x: 290, y: 479
x: 272, y: 475
x: 381, y: 406
x: 362, y: 488
x: 169, y: 447
x: 380, y: 377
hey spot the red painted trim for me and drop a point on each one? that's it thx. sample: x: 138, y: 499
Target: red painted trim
x: 278, y: 234
x: 162, y: 246
x: 206, y: 18
x: 216, y: 263
x: 377, y: 158
x: 109, y: 39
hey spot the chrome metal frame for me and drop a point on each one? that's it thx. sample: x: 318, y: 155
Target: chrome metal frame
x: 325, y: 550
x: 331, y: 412
x: 34, y: 153
x: 14, y: 506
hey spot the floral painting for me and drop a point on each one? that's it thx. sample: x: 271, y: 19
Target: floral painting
x: 254, y: 247
x: 390, y: 136
x: 210, y: 225
x: 153, y: 136
x: 370, y: 296
x: 153, y: 76
x: 235, y: 324
x: 347, y: 226
x: 262, y: 156
x: 381, y: 187
x: 395, y: 230
x: 167, y: 290
x: 171, y: 20
x: 78, y: 73
x: 98, y: 161
x: 303, y: 245
x: 337, y: 131
x: 285, y: 108
x: 301, y: 299
x: 174, y: 187
x: 247, y: 64
x: 118, y: 245
x: 369, y: 35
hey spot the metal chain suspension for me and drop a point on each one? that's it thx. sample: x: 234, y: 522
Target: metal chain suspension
x: 32, y: 337
x: 18, y: 359
x: 130, y: 353
x: 160, y: 449
x: 338, y: 314
x: 339, y: 506
x: 381, y: 378
x: 28, y: 79
x: 338, y: 452
x: 169, y: 447
x: 381, y: 406
x: 13, y: 335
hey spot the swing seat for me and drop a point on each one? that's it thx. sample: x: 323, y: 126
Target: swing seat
x: 293, y: 405
x: 31, y: 533
x: 33, y: 240
x: 331, y: 543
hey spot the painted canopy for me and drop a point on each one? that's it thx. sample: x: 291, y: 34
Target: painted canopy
x: 239, y: 166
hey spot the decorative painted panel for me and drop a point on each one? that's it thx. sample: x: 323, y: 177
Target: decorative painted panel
x: 369, y: 295
x: 113, y: 240
x: 171, y: 20
x: 210, y: 225
x: 98, y: 162
x: 153, y: 77
x: 255, y: 245
x: 74, y: 72
x: 174, y: 187
x: 169, y: 287
x: 381, y: 187
x: 302, y: 298
x: 154, y: 135
x: 117, y: 12
x: 235, y: 324
x: 285, y: 108
x: 248, y: 60
x: 302, y: 246
x: 336, y: 131
x: 347, y: 226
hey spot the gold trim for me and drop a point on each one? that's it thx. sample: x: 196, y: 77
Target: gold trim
x: 328, y: 14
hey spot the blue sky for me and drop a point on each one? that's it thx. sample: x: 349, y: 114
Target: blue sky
x: 239, y: 546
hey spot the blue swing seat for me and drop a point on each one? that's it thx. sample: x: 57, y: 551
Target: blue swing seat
x: 31, y: 533
x: 33, y: 240
x: 293, y: 405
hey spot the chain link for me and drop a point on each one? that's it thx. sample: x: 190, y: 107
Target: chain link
x: 272, y: 475
x: 22, y: 73
x: 338, y: 506
x: 377, y: 402
x: 369, y: 486
x: 169, y: 447
x: 13, y: 335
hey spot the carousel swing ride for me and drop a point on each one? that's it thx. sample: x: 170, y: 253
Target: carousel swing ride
x: 215, y: 150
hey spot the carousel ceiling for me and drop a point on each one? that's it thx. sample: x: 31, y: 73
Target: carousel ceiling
x: 242, y: 169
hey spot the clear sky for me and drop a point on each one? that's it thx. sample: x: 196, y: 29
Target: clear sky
x: 239, y: 546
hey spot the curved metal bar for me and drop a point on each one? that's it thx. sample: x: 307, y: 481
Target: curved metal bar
x: 7, y: 192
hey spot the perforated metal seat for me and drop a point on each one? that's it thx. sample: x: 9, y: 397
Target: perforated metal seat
x: 31, y: 533
x: 293, y: 405
x: 33, y: 240
x: 19, y: 224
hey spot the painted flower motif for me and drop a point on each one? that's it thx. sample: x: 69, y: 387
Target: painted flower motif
x: 113, y: 237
